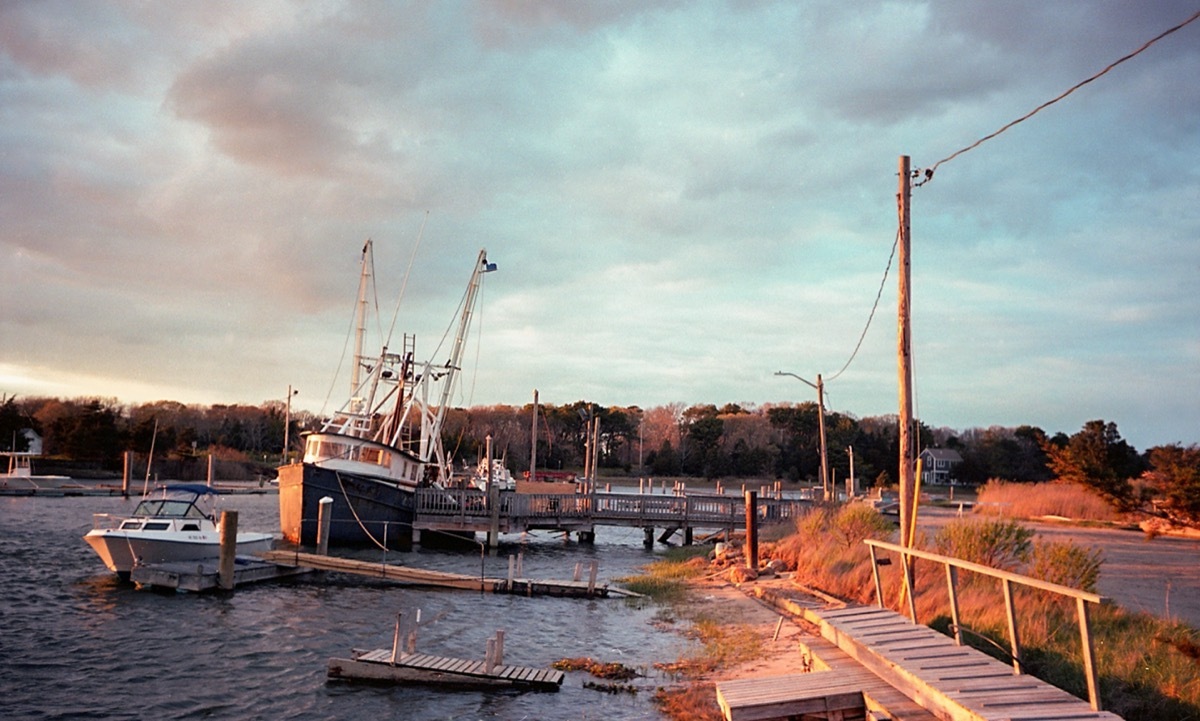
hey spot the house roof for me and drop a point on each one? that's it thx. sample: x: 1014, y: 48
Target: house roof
x: 943, y: 454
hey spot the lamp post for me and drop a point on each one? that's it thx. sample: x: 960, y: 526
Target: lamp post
x: 820, y: 387
x: 287, y: 426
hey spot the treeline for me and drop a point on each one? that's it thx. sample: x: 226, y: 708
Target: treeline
x: 776, y: 441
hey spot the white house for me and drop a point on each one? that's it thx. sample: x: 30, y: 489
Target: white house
x: 937, y: 466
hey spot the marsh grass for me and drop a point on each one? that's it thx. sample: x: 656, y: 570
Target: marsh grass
x: 666, y: 580
x: 1034, y: 500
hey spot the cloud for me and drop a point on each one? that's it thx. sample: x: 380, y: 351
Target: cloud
x: 682, y: 198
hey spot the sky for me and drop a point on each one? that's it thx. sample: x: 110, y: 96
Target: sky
x: 682, y: 198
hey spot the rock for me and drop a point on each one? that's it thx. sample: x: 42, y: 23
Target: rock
x: 742, y: 574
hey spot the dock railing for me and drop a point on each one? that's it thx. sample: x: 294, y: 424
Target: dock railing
x: 600, y: 507
x: 1007, y: 579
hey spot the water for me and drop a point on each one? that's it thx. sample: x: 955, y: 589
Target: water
x: 77, y: 643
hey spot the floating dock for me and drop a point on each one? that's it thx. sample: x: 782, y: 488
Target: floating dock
x: 199, y: 576
x: 378, y: 667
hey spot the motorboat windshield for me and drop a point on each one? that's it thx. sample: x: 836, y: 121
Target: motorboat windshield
x: 179, y: 501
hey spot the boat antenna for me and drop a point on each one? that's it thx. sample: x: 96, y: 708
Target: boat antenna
x: 150, y: 460
x: 407, y: 272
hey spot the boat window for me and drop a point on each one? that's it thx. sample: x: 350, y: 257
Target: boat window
x: 131, y: 525
x: 377, y: 456
x: 156, y: 526
x: 175, y: 508
x: 326, y: 449
x: 190, y: 527
x: 147, y: 508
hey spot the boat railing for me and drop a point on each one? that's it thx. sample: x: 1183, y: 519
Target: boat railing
x: 106, y: 521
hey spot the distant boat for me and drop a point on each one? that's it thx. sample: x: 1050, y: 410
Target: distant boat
x: 20, y: 468
x: 173, y: 523
x: 383, y: 444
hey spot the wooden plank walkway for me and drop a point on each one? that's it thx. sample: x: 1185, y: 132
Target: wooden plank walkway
x: 442, y: 579
x: 952, y: 681
x: 837, y: 684
x: 377, y: 666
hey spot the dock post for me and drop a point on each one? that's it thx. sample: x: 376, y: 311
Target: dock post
x: 499, y: 647
x: 324, y: 516
x: 396, y: 639
x: 512, y: 564
x: 125, y: 476
x: 578, y: 571
x: 687, y: 536
x: 648, y: 541
x: 752, y: 530
x: 411, y: 646
x: 592, y: 578
x: 489, y: 656
x: 210, y: 470
x: 228, y: 552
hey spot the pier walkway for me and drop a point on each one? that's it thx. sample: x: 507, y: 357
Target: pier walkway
x: 468, y: 510
x: 871, y: 662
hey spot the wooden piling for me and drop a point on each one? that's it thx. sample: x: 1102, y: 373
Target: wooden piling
x: 125, y: 476
x: 228, y: 552
x: 324, y: 516
x: 752, y: 530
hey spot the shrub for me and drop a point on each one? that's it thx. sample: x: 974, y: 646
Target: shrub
x: 1066, y: 564
x: 997, y: 543
x: 856, y: 522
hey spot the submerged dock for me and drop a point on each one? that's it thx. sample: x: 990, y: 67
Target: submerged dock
x: 442, y: 579
x: 200, y: 576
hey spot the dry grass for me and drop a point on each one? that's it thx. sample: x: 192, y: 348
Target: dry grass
x: 1034, y: 500
x: 695, y: 702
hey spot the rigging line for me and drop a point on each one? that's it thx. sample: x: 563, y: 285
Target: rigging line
x: 345, y: 348
x: 874, y: 307
x: 407, y: 272
x: 930, y: 170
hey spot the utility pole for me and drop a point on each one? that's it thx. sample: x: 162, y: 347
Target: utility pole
x: 821, y: 425
x: 533, y: 436
x: 820, y: 387
x: 904, y: 357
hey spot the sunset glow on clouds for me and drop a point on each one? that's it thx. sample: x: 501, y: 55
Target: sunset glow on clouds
x: 682, y: 198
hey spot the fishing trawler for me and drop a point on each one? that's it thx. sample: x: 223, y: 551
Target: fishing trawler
x: 383, y: 444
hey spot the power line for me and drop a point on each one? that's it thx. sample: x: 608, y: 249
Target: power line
x: 874, y: 307
x: 931, y: 169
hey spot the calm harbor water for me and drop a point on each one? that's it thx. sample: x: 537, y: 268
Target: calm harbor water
x: 76, y: 643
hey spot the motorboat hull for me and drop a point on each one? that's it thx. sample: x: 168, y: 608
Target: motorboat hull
x: 366, y: 511
x: 121, y: 550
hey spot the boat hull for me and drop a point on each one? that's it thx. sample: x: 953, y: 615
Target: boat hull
x: 366, y: 511
x: 121, y: 550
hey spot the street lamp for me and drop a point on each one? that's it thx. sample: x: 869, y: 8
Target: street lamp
x: 287, y: 426
x: 820, y: 386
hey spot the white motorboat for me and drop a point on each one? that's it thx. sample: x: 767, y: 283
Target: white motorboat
x: 174, y: 523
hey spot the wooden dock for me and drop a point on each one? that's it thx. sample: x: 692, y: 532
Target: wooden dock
x: 468, y: 510
x: 199, y: 576
x: 378, y: 667
x: 882, y: 663
x: 441, y: 579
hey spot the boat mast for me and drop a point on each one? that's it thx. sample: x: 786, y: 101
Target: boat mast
x: 464, y: 323
x: 356, y: 399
